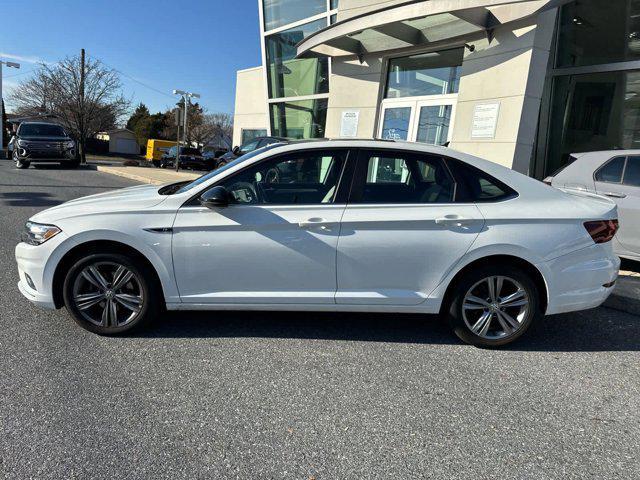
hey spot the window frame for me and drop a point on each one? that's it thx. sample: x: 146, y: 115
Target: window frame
x: 361, y: 168
x: 342, y: 190
x: 624, y: 170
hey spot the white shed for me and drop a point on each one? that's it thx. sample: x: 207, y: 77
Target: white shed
x: 122, y: 140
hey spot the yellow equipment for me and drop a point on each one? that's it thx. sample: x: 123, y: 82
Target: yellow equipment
x: 156, y: 148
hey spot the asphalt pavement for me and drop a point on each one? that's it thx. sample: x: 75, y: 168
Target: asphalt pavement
x: 302, y: 396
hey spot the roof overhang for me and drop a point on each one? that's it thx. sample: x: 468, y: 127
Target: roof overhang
x: 417, y: 23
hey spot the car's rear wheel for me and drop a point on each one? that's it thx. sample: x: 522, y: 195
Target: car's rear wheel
x: 110, y: 294
x: 494, y: 305
x: 20, y: 163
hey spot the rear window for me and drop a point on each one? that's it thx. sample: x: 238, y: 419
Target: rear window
x: 611, y: 172
x: 40, y: 130
x: 474, y: 185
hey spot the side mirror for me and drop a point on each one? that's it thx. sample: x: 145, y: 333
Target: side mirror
x: 215, y: 198
x: 236, y: 150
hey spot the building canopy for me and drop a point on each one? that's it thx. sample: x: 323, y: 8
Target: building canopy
x: 417, y: 23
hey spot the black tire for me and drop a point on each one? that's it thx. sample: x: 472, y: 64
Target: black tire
x: 156, y: 163
x: 75, y: 163
x: 145, y: 281
x: 222, y: 163
x: 21, y: 164
x: 462, y: 321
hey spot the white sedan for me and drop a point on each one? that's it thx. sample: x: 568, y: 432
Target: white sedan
x: 614, y: 174
x: 361, y: 226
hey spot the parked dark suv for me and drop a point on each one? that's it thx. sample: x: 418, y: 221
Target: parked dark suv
x: 189, y: 158
x: 43, y: 142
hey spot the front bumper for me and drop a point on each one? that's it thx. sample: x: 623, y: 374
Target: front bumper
x: 581, y: 280
x: 46, y: 154
x: 32, y: 262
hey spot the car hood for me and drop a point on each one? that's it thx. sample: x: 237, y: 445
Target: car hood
x: 44, y: 139
x: 138, y: 198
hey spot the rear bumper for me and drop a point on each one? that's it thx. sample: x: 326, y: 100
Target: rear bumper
x: 580, y: 280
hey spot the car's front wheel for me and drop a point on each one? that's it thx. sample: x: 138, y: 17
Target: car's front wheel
x: 110, y: 294
x: 20, y: 163
x: 492, y: 306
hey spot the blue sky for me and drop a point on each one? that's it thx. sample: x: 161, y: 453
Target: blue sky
x: 194, y: 45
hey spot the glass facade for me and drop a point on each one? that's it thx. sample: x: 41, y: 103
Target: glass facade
x: 598, y: 31
x: 299, y: 119
x: 396, y: 123
x: 291, y: 77
x: 433, y: 124
x: 278, y: 13
x: 597, y: 107
x: 597, y: 111
x: 436, y: 73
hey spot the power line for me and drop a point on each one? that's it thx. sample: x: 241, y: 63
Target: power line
x: 134, y: 79
x: 18, y: 74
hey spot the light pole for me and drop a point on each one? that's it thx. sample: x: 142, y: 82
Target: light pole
x: 186, y: 96
x: 12, y: 65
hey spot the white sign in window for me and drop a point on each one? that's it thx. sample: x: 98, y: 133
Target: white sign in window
x: 485, y: 120
x: 349, y: 123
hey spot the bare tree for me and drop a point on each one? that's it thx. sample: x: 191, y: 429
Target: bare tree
x: 57, y: 89
x: 217, y: 127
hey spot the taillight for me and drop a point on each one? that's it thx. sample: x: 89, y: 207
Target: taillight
x: 602, y: 231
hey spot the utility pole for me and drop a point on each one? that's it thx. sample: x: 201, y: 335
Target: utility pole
x: 185, y: 96
x: 12, y: 65
x: 178, y: 121
x: 83, y: 158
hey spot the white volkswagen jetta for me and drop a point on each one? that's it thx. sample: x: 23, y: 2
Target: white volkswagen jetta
x: 366, y: 226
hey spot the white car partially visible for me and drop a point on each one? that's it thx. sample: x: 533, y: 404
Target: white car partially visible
x: 614, y: 174
x: 367, y: 226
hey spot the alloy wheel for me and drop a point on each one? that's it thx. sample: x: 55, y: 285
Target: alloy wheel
x: 108, y: 294
x: 496, y: 307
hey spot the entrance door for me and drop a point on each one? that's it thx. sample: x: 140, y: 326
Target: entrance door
x: 427, y: 120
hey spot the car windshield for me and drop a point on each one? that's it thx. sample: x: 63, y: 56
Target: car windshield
x: 41, y: 130
x: 226, y: 167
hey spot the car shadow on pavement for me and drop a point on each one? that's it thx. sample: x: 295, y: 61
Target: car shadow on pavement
x: 28, y: 199
x: 597, y: 330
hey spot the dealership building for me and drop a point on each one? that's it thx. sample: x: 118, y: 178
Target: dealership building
x: 522, y: 83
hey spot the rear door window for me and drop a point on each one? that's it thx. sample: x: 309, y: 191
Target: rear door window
x: 402, y: 178
x: 611, y: 172
x: 474, y: 185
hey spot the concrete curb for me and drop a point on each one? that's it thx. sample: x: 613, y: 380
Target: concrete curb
x: 626, y: 296
x: 123, y: 172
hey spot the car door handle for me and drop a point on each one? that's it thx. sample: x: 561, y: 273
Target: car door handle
x: 453, y: 220
x: 615, y: 194
x: 313, y: 222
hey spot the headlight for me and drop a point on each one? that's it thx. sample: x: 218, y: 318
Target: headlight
x: 38, y: 233
x: 22, y: 143
x: 69, y: 144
